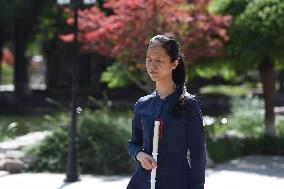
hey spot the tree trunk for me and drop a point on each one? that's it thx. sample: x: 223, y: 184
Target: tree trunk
x: 23, y: 29
x: 1, y: 47
x: 267, y: 75
x: 20, y: 67
x: 84, y: 71
x: 50, y: 48
x: 281, y: 81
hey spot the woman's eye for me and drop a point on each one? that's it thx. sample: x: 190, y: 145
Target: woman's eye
x: 155, y: 61
x: 158, y: 61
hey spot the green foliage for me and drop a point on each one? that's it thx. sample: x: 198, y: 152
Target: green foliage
x: 7, y: 74
x: 263, y: 145
x: 279, y: 122
x: 117, y: 75
x: 15, y: 125
x: 261, y: 27
x: 50, y: 24
x: 232, y: 7
x: 211, y: 68
x: 46, y: 14
x: 257, y: 30
x: 225, y: 149
x: 247, y: 116
x: 225, y: 90
x: 246, y: 121
x: 102, y: 144
x: 34, y: 48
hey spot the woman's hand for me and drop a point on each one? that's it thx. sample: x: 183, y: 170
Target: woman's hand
x: 146, y: 160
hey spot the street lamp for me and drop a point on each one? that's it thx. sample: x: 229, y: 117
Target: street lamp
x: 72, y: 165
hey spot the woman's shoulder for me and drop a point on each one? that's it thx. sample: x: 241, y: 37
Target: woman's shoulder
x: 191, y: 97
x: 143, y: 100
x: 192, y: 100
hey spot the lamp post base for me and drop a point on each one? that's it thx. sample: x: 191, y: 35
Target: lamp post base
x: 72, y: 178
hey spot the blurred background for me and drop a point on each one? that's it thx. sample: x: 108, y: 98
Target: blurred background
x: 78, y: 66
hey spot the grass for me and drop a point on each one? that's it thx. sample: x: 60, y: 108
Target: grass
x: 226, y: 90
x: 16, y: 125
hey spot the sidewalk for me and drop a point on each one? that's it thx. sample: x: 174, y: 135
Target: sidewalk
x: 260, y: 172
x: 56, y: 181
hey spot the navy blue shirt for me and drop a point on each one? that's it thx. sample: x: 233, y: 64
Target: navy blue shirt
x: 180, y: 133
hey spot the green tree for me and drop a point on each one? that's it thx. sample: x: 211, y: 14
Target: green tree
x: 257, y: 42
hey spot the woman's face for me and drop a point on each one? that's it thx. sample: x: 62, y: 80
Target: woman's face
x: 158, y: 64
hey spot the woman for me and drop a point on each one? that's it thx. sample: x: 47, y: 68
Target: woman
x: 182, y: 129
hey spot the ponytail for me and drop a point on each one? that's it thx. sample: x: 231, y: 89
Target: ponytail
x: 178, y: 74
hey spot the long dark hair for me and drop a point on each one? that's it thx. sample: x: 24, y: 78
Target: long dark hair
x: 171, y: 46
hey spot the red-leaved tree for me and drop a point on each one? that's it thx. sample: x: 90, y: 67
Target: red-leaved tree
x: 125, y: 33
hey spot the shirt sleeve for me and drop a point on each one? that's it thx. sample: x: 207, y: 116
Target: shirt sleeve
x: 196, y: 145
x: 136, y: 139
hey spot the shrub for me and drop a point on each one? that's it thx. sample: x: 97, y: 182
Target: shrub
x: 102, y: 144
x: 247, y: 116
x: 224, y: 149
x: 243, y: 132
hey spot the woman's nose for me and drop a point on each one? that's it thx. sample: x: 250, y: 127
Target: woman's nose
x: 152, y: 65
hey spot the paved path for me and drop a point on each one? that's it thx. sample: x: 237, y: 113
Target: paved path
x: 251, y: 172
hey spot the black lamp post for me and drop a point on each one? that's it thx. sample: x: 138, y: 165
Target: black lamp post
x: 72, y: 164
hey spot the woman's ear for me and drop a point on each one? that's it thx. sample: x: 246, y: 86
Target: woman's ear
x: 175, y: 64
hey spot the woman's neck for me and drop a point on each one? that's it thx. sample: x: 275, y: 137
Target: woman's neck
x: 165, y: 88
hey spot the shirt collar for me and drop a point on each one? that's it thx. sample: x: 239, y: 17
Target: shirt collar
x: 174, y: 95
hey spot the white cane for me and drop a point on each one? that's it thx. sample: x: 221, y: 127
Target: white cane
x: 155, y: 152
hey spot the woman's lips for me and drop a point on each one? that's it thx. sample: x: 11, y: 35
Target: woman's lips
x: 153, y: 72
